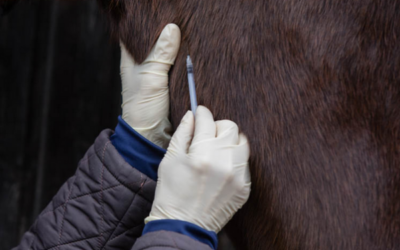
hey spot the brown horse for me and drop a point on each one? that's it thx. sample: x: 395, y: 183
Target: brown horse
x: 315, y: 85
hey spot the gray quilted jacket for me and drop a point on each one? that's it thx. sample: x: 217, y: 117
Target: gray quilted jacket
x: 102, y: 206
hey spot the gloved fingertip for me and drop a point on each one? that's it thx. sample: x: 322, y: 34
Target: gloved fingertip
x: 172, y: 31
x: 183, y: 135
x: 167, y: 46
x: 121, y: 44
x: 202, y: 111
x: 244, y: 145
x: 243, y: 139
x: 188, y: 117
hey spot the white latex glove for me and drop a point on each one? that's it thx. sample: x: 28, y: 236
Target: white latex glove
x: 145, y: 92
x: 205, y: 180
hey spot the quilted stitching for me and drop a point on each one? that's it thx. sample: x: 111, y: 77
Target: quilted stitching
x: 105, y: 202
x: 101, y: 193
x: 102, y: 206
x: 72, y: 242
x: 116, y: 236
x: 119, y: 223
x: 81, y: 196
x: 63, y: 215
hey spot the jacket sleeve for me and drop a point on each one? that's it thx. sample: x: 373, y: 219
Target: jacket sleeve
x: 166, y: 240
x: 103, y: 206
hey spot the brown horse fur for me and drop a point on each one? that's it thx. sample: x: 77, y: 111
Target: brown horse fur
x: 315, y: 85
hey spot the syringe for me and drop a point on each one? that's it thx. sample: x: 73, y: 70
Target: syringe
x: 192, y: 88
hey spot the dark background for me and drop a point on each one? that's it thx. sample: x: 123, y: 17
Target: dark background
x: 59, y: 87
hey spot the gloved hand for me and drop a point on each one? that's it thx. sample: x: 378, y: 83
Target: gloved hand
x: 205, y: 180
x: 145, y: 92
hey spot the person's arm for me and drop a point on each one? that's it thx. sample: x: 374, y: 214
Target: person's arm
x: 145, y: 119
x: 102, y: 206
x: 105, y: 203
x: 203, y: 180
x: 144, y: 130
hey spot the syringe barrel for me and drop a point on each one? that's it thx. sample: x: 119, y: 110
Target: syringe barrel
x: 192, y: 88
